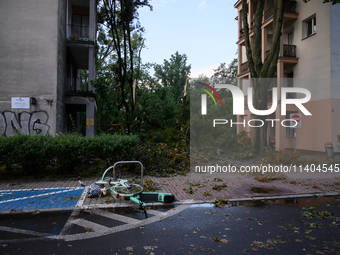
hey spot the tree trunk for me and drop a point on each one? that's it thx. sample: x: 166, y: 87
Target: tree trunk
x: 259, y: 69
x: 260, y: 103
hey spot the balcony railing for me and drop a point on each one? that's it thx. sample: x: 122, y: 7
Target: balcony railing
x: 288, y: 7
x: 289, y: 51
x: 78, y: 32
x: 244, y: 67
x: 269, y: 12
x: 77, y: 86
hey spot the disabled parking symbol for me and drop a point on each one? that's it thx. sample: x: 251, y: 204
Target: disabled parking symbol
x: 35, y: 199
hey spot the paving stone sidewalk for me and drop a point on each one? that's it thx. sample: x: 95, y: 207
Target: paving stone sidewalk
x: 51, y: 194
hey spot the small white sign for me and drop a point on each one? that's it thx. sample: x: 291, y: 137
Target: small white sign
x: 20, y: 102
x: 297, y: 118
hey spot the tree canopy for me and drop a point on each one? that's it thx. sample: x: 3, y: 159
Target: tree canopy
x: 174, y: 73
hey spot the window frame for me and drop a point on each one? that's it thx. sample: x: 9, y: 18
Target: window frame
x: 306, y: 33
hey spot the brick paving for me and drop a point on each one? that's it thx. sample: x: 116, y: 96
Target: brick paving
x: 192, y: 187
x: 207, y: 188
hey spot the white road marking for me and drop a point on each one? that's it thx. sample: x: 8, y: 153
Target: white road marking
x: 23, y: 231
x: 90, y: 225
x: 115, y: 216
x: 81, y: 199
x: 99, y: 230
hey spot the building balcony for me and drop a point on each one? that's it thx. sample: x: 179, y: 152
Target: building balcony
x: 78, y: 32
x: 289, y: 51
x: 289, y: 7
x: 244, y: 67
x: 78, y: 86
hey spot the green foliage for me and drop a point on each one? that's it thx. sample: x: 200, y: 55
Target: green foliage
x: 283, y: 157
x: 245, y: 145
x: 226, y: 75
x: 74, y: 155
x: 63, y: 155
x: 202, y: 132
x: 312, y: 213
x: 149, y: 185
x: 174, y: 73
x: 119, y: 42
x: 162, y: 159
x: 219, y: 187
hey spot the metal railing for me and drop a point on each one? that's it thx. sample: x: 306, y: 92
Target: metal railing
x: 288, y: 7
x: 289, y: 51
x: 244, y: 67
x: 269, y: 12
x: 78, y: 32
x: 76, y: 85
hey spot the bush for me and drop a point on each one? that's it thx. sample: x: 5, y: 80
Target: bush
x: 283, y: 157
x: 244, y: 146
x: 74, y: 155
x: 67, y: 154
x: 163, y: 159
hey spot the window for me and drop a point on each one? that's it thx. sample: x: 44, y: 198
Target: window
x: 290, y: 38
x: 80, y: 26
x: 289, y: 132
x: 309, y: 26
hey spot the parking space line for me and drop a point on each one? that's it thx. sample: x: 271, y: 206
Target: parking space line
x: 81, y: 199
x: 89, y: 224
x: 157, y: 213
x: 23, y: 231
x: 115, y: 216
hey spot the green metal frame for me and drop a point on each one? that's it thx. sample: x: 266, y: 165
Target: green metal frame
x: 141, y: 198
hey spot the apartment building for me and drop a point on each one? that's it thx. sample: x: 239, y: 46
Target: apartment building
x: 47, y: 60
x: 309, y: 58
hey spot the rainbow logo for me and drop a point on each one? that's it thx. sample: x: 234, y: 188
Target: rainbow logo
x: 209, y: 93
x: 204, y: 97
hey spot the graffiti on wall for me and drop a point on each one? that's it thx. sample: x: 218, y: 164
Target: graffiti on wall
x: 28, y: 123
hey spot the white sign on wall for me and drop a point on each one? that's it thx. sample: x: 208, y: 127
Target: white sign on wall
x: 297, y: 118
x: 20, y: 102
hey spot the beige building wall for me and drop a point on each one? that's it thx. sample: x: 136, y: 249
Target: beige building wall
x: 314, y: 52
x: 319, y: 60
x: 318, y: 66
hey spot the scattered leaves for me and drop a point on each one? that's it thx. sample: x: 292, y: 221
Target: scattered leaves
x: 216, y: 239
x: 221, y: 202
x: 206, y: 193
x: 219, y: 187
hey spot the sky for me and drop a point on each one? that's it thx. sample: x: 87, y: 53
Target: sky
x: 204, y: 30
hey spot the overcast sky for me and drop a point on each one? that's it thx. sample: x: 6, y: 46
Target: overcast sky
x: 205, y: 30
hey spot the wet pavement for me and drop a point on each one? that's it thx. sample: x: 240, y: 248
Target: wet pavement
x: 285, y: 226
x: 260, y: 216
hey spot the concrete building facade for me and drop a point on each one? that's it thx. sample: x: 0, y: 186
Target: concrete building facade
x: 47, y: 60
x: 309, y: 58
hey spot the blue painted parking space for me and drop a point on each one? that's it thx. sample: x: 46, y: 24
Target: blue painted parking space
x: 39, y: 198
